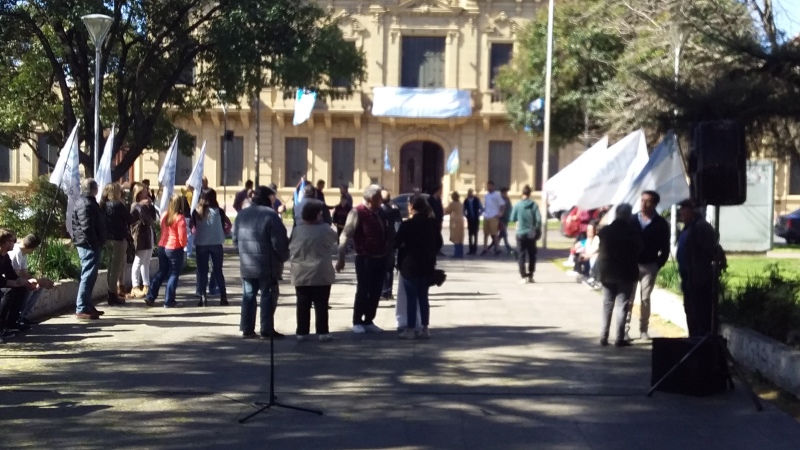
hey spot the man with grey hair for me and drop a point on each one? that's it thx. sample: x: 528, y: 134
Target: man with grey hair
x: 620, y: 245
x: 89, y: 236
x: 368, y: 227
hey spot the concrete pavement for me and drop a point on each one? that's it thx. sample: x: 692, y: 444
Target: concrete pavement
x: 509, y: 366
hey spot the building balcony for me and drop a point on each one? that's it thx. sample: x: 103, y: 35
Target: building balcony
x: 284, y: 101
x: 493, y: 103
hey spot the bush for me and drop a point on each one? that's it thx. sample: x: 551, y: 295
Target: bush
x: 768, y: 303
x: 41, y: 208
x: 669, y: 278
x: 60, y: 261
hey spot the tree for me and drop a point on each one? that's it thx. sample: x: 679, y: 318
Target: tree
x: 583, y: 62
x: 240, y: 46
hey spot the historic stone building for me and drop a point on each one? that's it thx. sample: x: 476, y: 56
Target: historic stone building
x: 428, y: 46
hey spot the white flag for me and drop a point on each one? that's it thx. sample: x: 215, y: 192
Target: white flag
x: 303, y: 106
x: 563, y: 189
x: 66, y: 173
x: 452, y: 162
x: 166, y: 177
x: 621, y: 162
x: 196, y: 178
x: 103, y: 173
x: 663, y: 173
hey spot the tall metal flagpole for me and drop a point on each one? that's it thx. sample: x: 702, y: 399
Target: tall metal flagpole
x: 258, y: 138
x: 546, y: 143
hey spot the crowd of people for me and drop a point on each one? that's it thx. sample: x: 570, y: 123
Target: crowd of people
x: 629, y: 251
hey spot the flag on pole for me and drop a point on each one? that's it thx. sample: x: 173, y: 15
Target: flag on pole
x: 663, y: 173
x: 66, y: 173
x: 196, y: 178
x: 166, y: 176
x: 299, y: 192
x: 452, y: 162
x: 387, y: 166
x: 303, y: 106
x: 103, y: 173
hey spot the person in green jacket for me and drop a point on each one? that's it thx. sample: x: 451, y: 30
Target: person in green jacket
x: 529, y: 229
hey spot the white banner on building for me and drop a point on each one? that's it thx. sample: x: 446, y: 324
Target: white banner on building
x: 66, y: 174
x: 421, y: 102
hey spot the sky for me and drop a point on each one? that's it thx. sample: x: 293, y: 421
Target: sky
x: 787, y: 16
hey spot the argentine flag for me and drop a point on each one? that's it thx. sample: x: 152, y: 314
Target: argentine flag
x: 303, y: 106
x: 299, y: 192
x: 452, y: 162
x: 387, y: 166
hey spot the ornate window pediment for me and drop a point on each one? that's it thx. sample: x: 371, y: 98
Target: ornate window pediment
x: 427, y: 7
x: 501, y: 22
x: 350, y: 26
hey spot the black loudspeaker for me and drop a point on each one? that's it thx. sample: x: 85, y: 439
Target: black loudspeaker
x: 704, y: 373
x: 718, y: 163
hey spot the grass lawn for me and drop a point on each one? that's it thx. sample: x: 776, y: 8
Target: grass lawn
x: 788, y: 248
x: 740, y: 267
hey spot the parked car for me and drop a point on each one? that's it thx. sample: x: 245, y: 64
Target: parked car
x: 402, y: 203
x: 788, y: 227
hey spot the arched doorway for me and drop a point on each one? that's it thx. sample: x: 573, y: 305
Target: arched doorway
x: 421, y: 166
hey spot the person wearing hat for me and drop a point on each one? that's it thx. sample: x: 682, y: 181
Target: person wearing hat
x: 697, y: 246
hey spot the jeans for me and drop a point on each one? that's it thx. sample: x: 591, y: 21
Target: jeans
x: 117, y: 260
x: 170, y: 264
x: 472, y: 230
x: 141, y: 267
x: 31, y: 298
x: 458, y: 250
x: 417, y: 295
x: 90, y: 262
x: 502, y: 236
x: 189, y: 239
x: 647, y: 280
x: 697, y: 303
x: 526, y: 247
x: 202, y: 254
x: 10, y: 306
x: 615, y: 299
x: 268, y: 304
x: 370, y: 273
x: 318, y: 296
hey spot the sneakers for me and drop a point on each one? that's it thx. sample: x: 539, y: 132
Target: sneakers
x: 302, y: 337
x: 424, y: 333
x: 372, y: 328
x: 325, y: 338
x: 644, y: 336
x: 407, y: 335
x: 359, y: 329
x: 523, y: 280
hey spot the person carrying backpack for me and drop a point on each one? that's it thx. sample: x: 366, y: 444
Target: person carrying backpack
x: 529, y: 230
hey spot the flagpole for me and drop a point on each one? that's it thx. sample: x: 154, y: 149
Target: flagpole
x: 547, y: 92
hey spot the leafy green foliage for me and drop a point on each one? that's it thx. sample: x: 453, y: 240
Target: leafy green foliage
x: 47, y: 64
x: 39, y: 209
x: 55, y: 260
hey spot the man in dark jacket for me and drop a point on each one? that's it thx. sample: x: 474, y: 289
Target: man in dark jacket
x: 261, y: 238
x: 473, y: 210
x: 617, y: 261
x: 88, y: 236
x: 393, y: 216
x: 368, y: 228
x: 654, y: 231
x: 697, y: 247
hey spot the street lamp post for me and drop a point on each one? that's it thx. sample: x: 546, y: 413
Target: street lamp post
x: 546, y: 143
x: 221, y: 94
x: 98, y: 26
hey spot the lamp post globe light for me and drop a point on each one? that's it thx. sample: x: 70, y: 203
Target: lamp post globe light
x: 98, y: 26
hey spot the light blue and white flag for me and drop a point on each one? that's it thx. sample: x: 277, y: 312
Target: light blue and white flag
x: 299, y: 192
x: 196, y: 178
x: 452, y: 162
x: 387, y: 166
x: 66, y: 174
x: 303, y: 105
x: 663, y: 173
x: 166, y: 177
x: 103, y: 172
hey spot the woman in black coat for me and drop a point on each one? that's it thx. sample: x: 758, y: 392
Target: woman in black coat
x: 418, y: 242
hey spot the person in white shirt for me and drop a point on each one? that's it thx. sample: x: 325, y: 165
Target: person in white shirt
x: 19, y: 261
x: 493, y: 207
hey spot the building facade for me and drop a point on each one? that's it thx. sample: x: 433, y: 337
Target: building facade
x: 419, y: 44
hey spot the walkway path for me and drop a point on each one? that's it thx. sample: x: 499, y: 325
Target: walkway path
x: 509, y: 366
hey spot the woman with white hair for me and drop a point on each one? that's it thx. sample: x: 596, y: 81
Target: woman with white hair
x: 617, y: 262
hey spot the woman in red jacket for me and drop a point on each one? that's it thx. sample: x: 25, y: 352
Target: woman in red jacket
x: 170, y: 253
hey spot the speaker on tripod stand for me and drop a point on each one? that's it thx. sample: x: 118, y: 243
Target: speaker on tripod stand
x: 699, y: 364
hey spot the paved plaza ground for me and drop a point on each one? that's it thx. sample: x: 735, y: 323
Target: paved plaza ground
x: 509, y: 366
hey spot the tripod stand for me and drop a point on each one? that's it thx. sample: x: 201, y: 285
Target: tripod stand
x: 272, y: 398
x: 713, y: 335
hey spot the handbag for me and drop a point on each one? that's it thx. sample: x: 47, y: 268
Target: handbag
x: 438, y: 278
